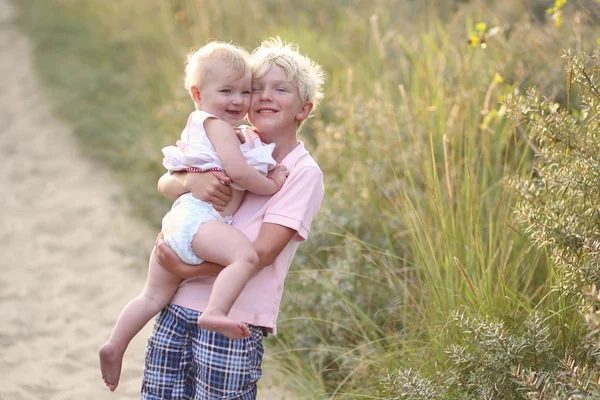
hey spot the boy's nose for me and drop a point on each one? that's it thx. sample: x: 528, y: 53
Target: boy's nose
x: 266, y: 94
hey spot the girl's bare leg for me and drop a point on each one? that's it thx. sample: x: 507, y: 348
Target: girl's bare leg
x: 158, y: 291
x: 222, y: 244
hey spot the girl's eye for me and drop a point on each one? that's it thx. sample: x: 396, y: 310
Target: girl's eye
x: 282, y: 90
x: 225, y: 91
x: 246, y: 92
x: 254, y: 90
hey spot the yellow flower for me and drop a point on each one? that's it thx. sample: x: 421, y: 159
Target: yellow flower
x: 557, y: 18
x: 474, y: 40
x: 498, y: 78
x: 480, y: 27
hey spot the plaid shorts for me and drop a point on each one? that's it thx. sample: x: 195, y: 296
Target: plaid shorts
x: 186, y: 362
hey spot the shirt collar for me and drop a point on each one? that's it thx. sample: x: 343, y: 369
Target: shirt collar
x: 290, y: 160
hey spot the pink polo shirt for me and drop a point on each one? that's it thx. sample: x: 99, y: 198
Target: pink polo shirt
x: 294, y: 206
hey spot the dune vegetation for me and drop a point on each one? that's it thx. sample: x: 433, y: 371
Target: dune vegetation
x: 459, y: 146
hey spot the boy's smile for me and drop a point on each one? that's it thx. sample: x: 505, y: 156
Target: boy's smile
x: 275, y: 102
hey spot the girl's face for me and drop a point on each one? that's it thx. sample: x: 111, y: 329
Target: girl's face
x: 275, y: 105
x: 223, y: 94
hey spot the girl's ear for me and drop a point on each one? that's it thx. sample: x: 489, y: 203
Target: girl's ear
x: 304, y: 111
x: 195, y: 93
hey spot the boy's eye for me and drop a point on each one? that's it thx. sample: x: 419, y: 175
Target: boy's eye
x: 225, y: 91
x: 246, y: 92
x: 255, y: 89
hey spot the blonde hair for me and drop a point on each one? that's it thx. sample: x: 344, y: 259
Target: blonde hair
x: 199, y: 61
x: 306, y: 74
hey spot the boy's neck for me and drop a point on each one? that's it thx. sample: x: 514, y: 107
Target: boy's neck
x: 284, y: 146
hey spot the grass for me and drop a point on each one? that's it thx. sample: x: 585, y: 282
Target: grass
x: 417, y: 221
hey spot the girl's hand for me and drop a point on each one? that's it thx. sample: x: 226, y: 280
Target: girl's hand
x: 210, y: 187
x: 240, y: 134
x: 279, y: 174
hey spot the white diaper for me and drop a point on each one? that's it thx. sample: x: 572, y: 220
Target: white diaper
x: 181, y: 224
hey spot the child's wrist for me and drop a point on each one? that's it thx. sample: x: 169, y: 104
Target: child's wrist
x: 277, y: 187
x: 185, y: 185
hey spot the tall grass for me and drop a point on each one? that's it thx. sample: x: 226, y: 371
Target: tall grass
x: 416, y: 223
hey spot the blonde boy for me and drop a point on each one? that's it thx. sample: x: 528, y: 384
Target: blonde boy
x: 184, y: 361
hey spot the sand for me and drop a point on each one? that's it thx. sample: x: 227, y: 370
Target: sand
x: 71, y: 253
x: 63, y: 276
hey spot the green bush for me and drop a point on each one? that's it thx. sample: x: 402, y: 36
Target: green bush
x: 555, y: 356
x: 560, y: 202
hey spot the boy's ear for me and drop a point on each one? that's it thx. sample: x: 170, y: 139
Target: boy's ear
x: 195, y: 93
x: 304, y: 111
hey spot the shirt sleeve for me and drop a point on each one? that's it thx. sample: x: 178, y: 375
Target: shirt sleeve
x: 297, y: 203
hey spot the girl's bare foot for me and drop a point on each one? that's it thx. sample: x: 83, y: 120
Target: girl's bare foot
x: 219, y: 322
x: 111, y: 360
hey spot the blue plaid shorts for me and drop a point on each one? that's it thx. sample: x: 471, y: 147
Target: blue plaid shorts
x: 186, y: 362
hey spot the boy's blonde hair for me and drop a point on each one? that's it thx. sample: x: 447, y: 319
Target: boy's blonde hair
x: 300, y: 70
x: 199, y: 62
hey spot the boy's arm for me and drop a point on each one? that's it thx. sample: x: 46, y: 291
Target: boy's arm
x: 210, y: 187
x: 171, y: 185
x: 306, y: 190
x: 224, y: 139
x: 271, y: 241
x: 168, y: 259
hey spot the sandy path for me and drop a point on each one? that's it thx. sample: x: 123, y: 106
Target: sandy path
x: 63, y: 278
x: 63, y: 275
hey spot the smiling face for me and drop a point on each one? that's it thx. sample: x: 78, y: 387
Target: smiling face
x: 223, y: 93
x: 276, y: 105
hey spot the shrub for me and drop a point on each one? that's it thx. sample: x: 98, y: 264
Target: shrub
x: 555, y: 356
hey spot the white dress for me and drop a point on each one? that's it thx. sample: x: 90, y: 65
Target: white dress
x: 195, y: 152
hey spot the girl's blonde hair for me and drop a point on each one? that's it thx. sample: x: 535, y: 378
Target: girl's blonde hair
x: 199, y: 62
x: 307, y: 75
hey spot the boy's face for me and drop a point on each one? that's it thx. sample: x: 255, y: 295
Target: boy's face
x: 276, y: 104
x: 223, y: 94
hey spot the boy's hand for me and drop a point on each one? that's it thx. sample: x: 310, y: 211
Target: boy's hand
x: 279, y: 174
x: 210, y: 187
x: 167, y: 258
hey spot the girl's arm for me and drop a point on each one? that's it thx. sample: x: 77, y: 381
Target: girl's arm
x: 210, y: 187
x: 227, y: 145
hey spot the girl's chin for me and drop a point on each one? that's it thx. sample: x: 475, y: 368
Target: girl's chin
x: 232, y: 120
